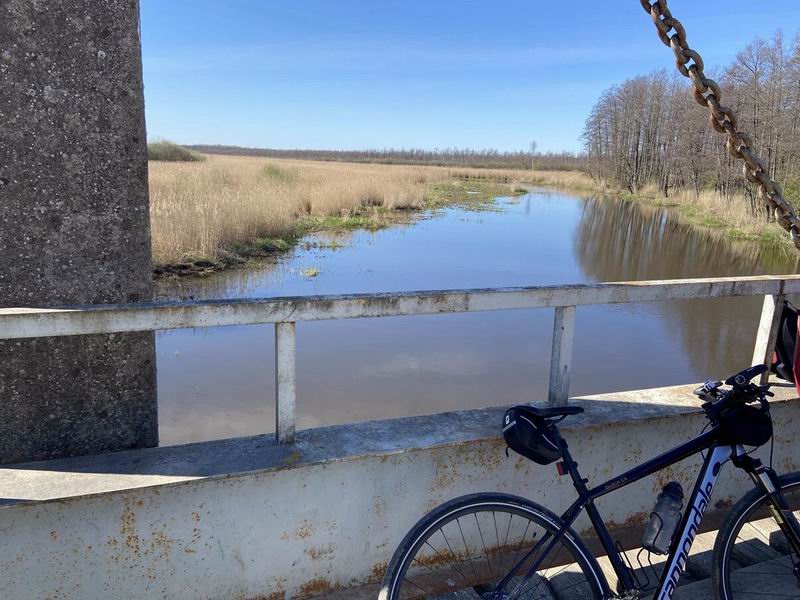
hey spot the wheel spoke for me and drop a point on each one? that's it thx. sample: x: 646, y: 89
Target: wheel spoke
x: 424, y: 591
x: 452, y: 564
x: 505, y: 542
x: 485, y: 551
x: 521, y: 545
x: 469, y: 554
x: 760, y: 561
x: 438, y: 567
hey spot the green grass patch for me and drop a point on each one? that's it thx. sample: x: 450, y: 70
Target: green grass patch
x: 329, y: 245
x: 699, y: 218
x: 468, y: 192
x: 775, y: 240
x: 370, y: 219
x: 278, y: 174
x: 171, y: 152
x: 737, y: 235
x: 263, y: 246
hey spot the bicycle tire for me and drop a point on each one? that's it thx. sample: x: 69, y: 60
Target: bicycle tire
x: 475, y: 504
x: 727, y: 564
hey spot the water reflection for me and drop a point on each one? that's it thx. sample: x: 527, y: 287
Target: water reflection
x: 219, y: 382
x: 626, y: 241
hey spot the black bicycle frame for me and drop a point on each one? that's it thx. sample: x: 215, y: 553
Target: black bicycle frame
x: 718, y: 454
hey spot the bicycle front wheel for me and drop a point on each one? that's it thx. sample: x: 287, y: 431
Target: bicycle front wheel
x: 752, y: 556
x: 466, y: 547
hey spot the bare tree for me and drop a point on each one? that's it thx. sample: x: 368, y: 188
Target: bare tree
x: 533, y: 147
x: 447, y: 157
x: 648, y: 131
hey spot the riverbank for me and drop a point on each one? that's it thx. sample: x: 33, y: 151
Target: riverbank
x: 721, y: 217
x: 228, y: 211
x: 709, y: 211
x: 728, y: 218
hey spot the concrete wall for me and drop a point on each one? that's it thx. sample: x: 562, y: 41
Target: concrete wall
x: 248, y: 519
x: 74, y: 225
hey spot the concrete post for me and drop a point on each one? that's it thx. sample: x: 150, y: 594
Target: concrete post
x: 74, y: 225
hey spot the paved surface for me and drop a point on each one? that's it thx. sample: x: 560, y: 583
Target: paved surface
x: 763, y: 569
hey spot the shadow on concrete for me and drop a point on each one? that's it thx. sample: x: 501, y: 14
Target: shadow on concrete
x: 159, y: 466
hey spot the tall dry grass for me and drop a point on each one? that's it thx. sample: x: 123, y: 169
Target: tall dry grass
x: 199, y: 209
x: 574, y: 180
x: 728, y: 216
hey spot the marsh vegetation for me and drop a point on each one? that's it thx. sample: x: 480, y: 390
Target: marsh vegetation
x: 227, y: 210
x: 224, y: 210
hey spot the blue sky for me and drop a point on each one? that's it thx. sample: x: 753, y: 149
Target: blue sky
x: 352, y: 74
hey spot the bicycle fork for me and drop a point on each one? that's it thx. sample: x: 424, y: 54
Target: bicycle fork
x: 766, y: 479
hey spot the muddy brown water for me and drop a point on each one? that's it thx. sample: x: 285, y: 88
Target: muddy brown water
x: 219, y: 382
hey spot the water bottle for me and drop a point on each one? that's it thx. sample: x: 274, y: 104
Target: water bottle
x: 664, y: 519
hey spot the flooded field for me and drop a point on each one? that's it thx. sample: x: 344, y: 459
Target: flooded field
x: 216, y: 383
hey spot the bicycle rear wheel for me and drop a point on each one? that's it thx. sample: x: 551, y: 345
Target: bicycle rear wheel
x: 752, y: 556
x: 464, y: 549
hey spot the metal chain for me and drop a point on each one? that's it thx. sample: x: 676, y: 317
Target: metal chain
x: 707, y: 93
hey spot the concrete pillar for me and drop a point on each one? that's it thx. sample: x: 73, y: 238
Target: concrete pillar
x: 74, y: 225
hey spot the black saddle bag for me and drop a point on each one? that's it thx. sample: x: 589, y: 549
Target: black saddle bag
x: 531, y: 436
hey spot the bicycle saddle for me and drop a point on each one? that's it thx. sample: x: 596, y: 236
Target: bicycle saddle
x: 550, y: 412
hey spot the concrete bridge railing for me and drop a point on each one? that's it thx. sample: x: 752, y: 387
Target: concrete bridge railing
x: 287, y: 311
x: 319, y: 518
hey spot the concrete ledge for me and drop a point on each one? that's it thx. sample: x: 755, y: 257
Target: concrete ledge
x: 247, y: 519
x: 104, y: 473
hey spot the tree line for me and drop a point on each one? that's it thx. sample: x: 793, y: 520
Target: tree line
x: 447, y: 157
x: 649, y: 131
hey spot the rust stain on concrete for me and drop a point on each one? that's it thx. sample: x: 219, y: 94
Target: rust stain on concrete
x: 306, y: 530
x: 316, y: 587
x: 377, y: 571
x: 380, y: 506
x: 318, y: 553
x: 280, y: 595
x: 127, y: 528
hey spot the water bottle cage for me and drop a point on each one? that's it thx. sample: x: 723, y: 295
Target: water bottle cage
x: 652, y: 549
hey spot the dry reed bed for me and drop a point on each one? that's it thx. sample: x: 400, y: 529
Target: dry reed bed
x: 198, y: 210
x: 721, y: 216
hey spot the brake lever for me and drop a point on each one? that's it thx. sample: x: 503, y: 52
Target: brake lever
x: 709, y: 390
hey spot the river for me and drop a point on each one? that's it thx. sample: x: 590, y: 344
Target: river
x: 218, y: 383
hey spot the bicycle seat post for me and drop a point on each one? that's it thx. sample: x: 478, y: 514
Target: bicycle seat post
x: 572, y: 468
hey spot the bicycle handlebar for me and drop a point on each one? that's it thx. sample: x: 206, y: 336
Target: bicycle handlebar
x: 740, y: 385
x: 742, y: 391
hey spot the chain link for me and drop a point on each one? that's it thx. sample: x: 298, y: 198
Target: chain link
x: 707, y: 93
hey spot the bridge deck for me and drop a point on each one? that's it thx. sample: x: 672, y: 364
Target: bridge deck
x: 762, y: 568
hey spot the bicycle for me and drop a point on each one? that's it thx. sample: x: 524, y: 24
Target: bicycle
x: 494, y: 546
